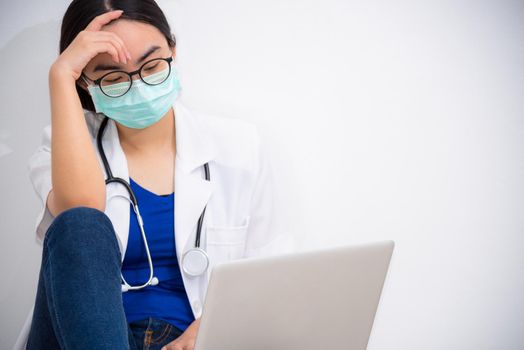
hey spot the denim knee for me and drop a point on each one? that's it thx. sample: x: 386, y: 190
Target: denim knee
x: 81, y: 227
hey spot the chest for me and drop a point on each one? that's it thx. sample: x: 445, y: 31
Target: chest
x: 154, y: 173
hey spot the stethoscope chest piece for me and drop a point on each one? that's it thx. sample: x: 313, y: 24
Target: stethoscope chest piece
x: 195, y: 261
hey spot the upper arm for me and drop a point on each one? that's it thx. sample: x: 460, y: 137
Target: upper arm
x: 40, y: 174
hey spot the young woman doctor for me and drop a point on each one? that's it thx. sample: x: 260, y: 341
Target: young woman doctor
x: 115, y: 114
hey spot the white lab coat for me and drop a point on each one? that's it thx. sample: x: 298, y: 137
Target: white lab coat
x: 240, y: 219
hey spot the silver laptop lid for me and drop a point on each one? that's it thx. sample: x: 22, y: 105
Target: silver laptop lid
x: 322, y: 299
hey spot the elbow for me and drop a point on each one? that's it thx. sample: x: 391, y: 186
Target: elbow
x: 60, y: 200
x: 89, y: 202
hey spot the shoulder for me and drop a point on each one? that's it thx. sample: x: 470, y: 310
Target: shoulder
x: 227, y: 129
x: 236, y: 141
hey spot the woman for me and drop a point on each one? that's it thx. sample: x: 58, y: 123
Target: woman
x: 115, y: 77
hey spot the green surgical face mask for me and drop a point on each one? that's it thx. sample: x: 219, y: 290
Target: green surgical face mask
x: 143, y: 105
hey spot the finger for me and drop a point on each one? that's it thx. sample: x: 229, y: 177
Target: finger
x: 116, y: 41
x: 168, y: 346
x: 116, y: 38
x: 99, y: 21
x: 173, y: 346
x: 125, y: 51
x: 107, y: 47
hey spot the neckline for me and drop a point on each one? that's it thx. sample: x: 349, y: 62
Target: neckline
x: 131, y: 181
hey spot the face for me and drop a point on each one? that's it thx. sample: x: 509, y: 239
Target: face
x: 139, y: 38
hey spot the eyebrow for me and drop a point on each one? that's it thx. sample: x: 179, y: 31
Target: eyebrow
x: 101, y: 67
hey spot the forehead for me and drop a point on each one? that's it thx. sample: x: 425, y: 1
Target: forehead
x: 137, y: 36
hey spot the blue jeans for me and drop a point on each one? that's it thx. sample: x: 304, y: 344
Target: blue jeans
x: 79, y: 299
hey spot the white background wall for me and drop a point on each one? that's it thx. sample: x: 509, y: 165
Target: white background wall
x: 397, y: 120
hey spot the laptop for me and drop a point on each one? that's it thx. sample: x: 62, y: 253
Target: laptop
x: 309, y: 300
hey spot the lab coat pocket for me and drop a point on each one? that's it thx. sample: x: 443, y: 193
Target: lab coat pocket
x: 226, y: 242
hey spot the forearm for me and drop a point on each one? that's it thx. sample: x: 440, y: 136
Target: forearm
x: 76, y: 173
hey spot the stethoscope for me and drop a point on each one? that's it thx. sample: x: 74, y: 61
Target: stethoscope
x: 195, y: 261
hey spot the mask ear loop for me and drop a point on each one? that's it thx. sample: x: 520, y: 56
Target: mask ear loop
x: 152, y: 280
x: 84, y: 79
x: 86, y: 82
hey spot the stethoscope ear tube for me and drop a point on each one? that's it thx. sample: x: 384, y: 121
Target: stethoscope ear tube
x: 195, y: 261
x: 101, y: 149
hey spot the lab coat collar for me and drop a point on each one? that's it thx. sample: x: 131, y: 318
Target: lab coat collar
x: 194, y: 145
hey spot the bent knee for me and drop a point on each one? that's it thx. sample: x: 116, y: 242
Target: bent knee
x: 82, y: 215
x: 78, y: 223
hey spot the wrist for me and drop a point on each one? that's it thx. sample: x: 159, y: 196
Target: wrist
x: 58, y: 72
x: 193, y: 327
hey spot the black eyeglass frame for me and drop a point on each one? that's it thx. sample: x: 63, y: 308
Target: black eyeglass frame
x: 130, y: 74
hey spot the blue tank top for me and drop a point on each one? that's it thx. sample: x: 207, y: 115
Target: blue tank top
x: 167, y: 300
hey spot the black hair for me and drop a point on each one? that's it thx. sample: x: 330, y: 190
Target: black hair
x: 81, y: 12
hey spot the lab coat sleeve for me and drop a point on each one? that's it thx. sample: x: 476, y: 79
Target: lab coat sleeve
x: 266, y: 234
x: 39, y: 167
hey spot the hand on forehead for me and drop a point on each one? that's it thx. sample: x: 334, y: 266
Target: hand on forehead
x: 142, y: 40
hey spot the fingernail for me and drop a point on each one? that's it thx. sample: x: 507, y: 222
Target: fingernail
x: 128, y: 55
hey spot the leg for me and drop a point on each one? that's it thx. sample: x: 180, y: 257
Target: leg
x: 79, y: 299
x: 42, y: 335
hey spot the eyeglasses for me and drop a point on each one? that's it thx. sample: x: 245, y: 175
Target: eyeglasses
x: 118, y: 83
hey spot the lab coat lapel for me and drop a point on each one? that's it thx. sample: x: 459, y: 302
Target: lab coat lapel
x: 192, y: 190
